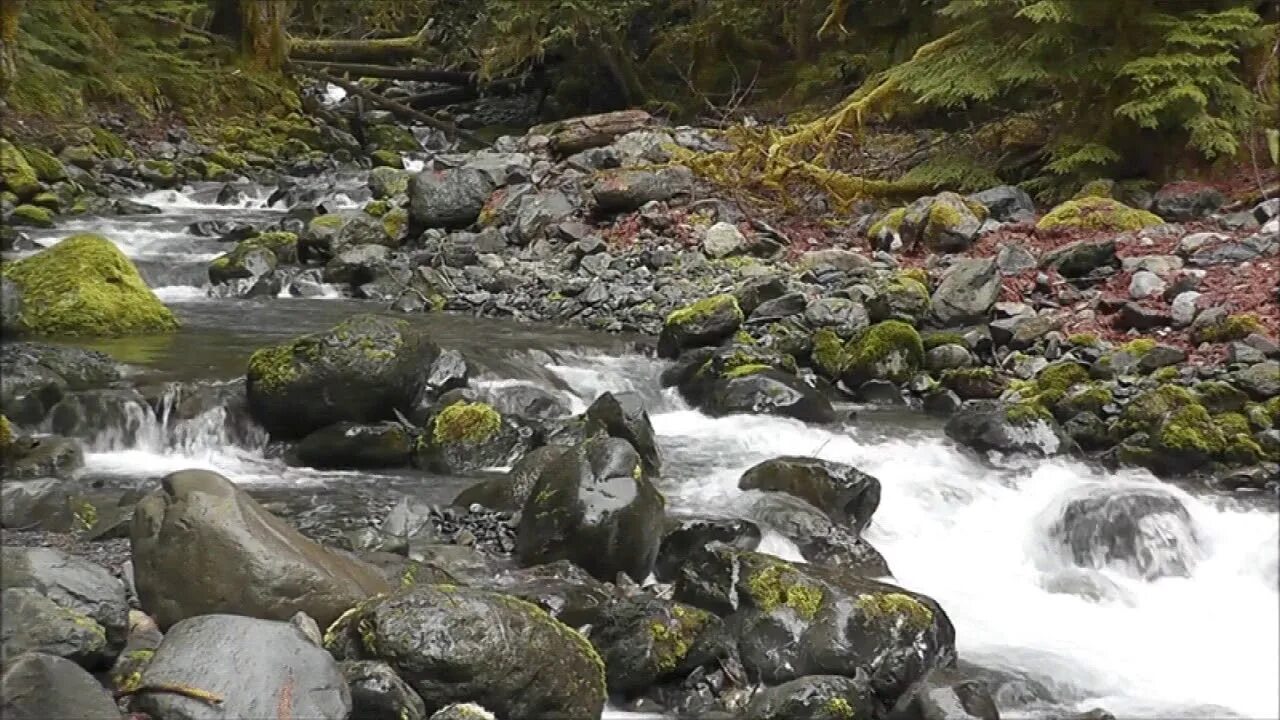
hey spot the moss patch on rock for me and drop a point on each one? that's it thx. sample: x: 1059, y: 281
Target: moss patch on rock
x: 84, y: 285
x: 6, y: 434
x: 1231, y: 328
x: 776, y: 585
x: 1097, y: 214
x: 702, y: 308
x: 888, y: 607
x: 32, y: 216
x: 673, y: 639
x: 16, y: 173
x: 464, y: 422
x: 891, y: 350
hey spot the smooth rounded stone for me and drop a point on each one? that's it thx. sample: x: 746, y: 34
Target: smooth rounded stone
x: 844, y: 493
x: 463, y: 711
x: 1145, y: 284
x: 45, y: 456
x: 755, y: 292
x: 1145, y: 532
x: 704, y: 323
x: 879, y: 392
x: 1015, y: 259
x: 457, y: 644
x: 1183, y: 308
x: 947, y: 357
x: 363, y: 370
x: 845, y: 317
x: 942, y: 402
x: 815, y: 697
x: 32, y: 622
x: 768, y: 392
x: 73, y: 583
x: 688, y: 534
x: 723, y: 239
x: 967, y: 293
x: 644, y: 640
x: 791, y: 620
x: 510, y: 493
x: 1082, y: 257
x: 39, y: 686
x: 1180, y: 202
x: 40, y: 503
x: 201, y: 545
x: 526, y: 401
x: 821, y: 541
x: 594, y: 506
x: 623, y: 415
x: 1087, y: 584
x: 1021, y: 332
x: 449, y: 198
x: 378, y: 693
x: 565, y: 591
x: 986, y: 425
x: 355, y: 446
x: 774, y: 309
x: 259, y: 669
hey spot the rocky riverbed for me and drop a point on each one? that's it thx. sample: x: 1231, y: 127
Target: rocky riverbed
x: 814, y: 474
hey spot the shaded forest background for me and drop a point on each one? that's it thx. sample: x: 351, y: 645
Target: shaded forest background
x: 1045, y: 93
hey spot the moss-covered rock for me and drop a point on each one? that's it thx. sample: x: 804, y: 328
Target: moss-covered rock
x: 1097, y: 214
x: 84, y: 285
x: 254, y: 257
x: 1218, y: 396
x: 974, y: 383
x: 32, y: 216
x: 828, y: 355
x: 392, y: 138
x: 18, y: 175
x: 1227, y: 328
x: 110, y: 144
x: 386, y: 158
x: 6, y: 434
x: 47, y: 167
x: 385, y: 182
x: 466, y: 423
x: 161, y: 173
x: 891, y: 350
x: 702, y: 323
x: 643, y: 640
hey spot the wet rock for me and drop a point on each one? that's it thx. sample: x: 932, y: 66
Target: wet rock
x: 623, y: 190
x: 994, y: 425
x: 356, y: 446
x: 39, y: 503
x: 363, y: 370
x: 1006, y: 203
x: 1080, y: 258
x: 1144, y: 532
x: 386, y: 182
x: 259, y: 669
x: 47, y: 456
x: 34, y: 623
x: 527, y: 401
x: 377, y: 693
x: 703, y: 323
x: 792, y: 621
x: 82, y: 588
x: 820, y: 540
x: 356, y: 264
x: 511, y: 492
x: 201, y: 546
x: 40, y: 686
x: 643, y: 640
x: 942, y: 402
x: 767, y: 392
x: 466, y: 436
x: 37, y: 375
x: 815, y: 697
x: 622, y: 415
x: 595, y: 507
x: 843, y: 316
x: 687, y: 535
x: 564, y: 590
x: 1260, y: 380
x: 967, y: 292
x: 1180, y: 202
x: 455, y: 644
x: 449, y: 198
x: 844, y: 493
x: 965, y: 700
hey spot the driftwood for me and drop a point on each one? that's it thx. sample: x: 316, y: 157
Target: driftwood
x: 396, y: 108
x: 582, y: 133
x: 380, y: 50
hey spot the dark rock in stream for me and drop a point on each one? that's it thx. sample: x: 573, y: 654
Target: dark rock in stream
x: 687, y: 535
x: 643, y: 640
x: 83, y: 589
x: 567, y: 592
x: 36, y: 457
x: 36, y: 376
x: 377, y: 693
x: 356, y: 446
x: 1146, y: 532
x: 201, y: 546
x: 845, y: 493
x: 767, y: 392
x: 623, y: 415
x: 39, y: 686
x: 819, y: 539
x: 815, y: 697
x: 510, y: 493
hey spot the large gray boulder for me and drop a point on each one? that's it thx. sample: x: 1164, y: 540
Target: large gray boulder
x: 201, y: 545
x: 595, y: 507
x: 622, y: 415
x: 363, y: 370
x: 256, y: 668
x: 967, y: 293
x: 1145, y: 532
x: 644, y: 640
x: 448, y: 198
x: 77, y: 585
x: 844, y: 493
x: 457, y: 644
x: 628, y: 189
x: 32, y: 622
x: 39, y: 686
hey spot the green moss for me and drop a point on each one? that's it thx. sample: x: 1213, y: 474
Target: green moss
x: 890, y: 223
x: 1091, y: 397
x: 1220, y: 396
x: 16, y: 173
x: 891, y: 350
x: 1097, y: 214
x: 942, y: 215
x: 673, y: 638
x: 161, y: 168
x: 1084, y: 340
x: 742, y: 337
x: 272, y: 368
x: 935, y: 339
x: 410, y: 574
x: 1232, y: 423
x: 47, y: 167
x: 1166, y: 374
x: 1096, y: 189
x: 84, y: 285
x: 463, y: 422
x: 32, y: 215
x: 85, y: 516
x: 1272, y: 407
x: 1233, y: 327
x: 392, y: 137
x: 226, y: 159
x: 6, y: 433
x: 386, y: 158
x: 110, y: 144
x: 777, y: 585
x: 1026, y: 412
x: 1053, y: 382
x: 395, y: 223
x: 838, y: 707
x: 331, y: 221
x: 127, y: 683
x: 1146, y: 411
x: 1190, y: 428
x: 377, y: 208
x: 917, y: 274
x: 1139, y: 347
x: 883, y: 607
x: 703, y: 308
x: 828, y: 354
x: 1258, y: 416
x: 745, y: 370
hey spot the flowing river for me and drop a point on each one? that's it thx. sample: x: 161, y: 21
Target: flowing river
x: 973, y: 535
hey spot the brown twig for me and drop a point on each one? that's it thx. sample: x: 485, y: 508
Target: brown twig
x: 194, y: 693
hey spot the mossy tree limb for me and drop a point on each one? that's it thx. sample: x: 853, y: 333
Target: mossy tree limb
x: 377, y: 50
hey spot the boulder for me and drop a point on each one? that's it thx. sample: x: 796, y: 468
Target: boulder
x: 689, y: 534
x: 791, y: 621
x: 820, y: 540
x: 1144, y: 532
x: 1097, y: 214
x: 1080, y: 258
x: 1260, y: 380
x: 766, y: 391
x: 378, y: 693
x: 356, y: 446
x: 39, y: 686
x: 703, y: 323
x: 257, y: 669
x: 622, y: 415
x: 84, y: 285
x: 363, y: 370
x: 595, y: 507
x: 1006, y: 203
x: 844, y: 493
x: 201, y: 545
x: 37, y: 376
x: 644, y: 640
x: 387, y: 182
x: 356, y: 265
x: 967, y: 293
x: 510, y: 493
x: 815, y: 697
x: 1009, y: 428
x: 467, y: 436
x: 722, y: 240
x: 1180, y: 202
x: 890, y: 350
x: 564, y: 590
x: 448, y: 198
x: 34, y: 623
x: 623, y: 190
x: 456, y: 644
x: 843, y: 316
x: 79, y: 586
x: 16, y: 174
x: 950, y: 225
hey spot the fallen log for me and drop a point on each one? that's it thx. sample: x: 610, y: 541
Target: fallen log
x: 448, y: 77
x: 582, y: 133
x: 378, y: 50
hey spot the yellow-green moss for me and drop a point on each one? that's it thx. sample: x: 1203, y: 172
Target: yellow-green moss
x: 84, y: 285
x: 745, y: 370
x: 1097, y: 214
x: 890, y: 223
x: 703, y: 308
x: 878, y: 607
x: 1191, y: 429
x: 85, y: 516
x: 1053, y: 382
x: 828, y: 353
x: 1026, y: 412
x: 673, y: 638
x: 377, y: 208
x: 48, y: 168
x: 838, y: 707
x: 1096, y: 189
x: 16, y: 173
x: 464, y: 422
x: 1219, y: 396
x: 272, y: 368
x: 6, y: 433
x: 32, y: 215
x: 1091, y: 397
x: 331, y: 221
x: 1145, y: 411
x: 1232, y: 423
x: 110, y: 144
x: 395, y: 222
x: 939, y: 338
x: 1139, y: 347
x: 1232, y: 327
x: 776, y: 585
x: 1083, y: 340
x: 891, y: 350
x: 1166, y: 374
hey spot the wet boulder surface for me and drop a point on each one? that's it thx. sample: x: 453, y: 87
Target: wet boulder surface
x: 1144, y: 532
x: 91, y: 599
x: 39, y: 686
x: 845, y: 493
x: 458, y: 644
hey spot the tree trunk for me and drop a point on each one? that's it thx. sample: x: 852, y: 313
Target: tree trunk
x: 582, y: 133
x: 358, y: 51
x: 10, y: 15
x: 262, y: 36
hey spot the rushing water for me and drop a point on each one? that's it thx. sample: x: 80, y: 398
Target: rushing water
x: 972, y: 535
